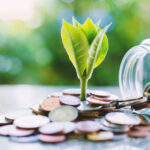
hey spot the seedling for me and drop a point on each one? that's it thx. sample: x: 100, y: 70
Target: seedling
x: 86, y: 46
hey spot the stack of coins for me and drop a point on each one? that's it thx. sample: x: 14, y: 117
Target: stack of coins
x: 62, y: 116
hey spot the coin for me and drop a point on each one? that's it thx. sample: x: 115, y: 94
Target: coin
x: 145, y: 119
x: 147, y: 89
x: 115, y: 130
x: 109, y: 125
x: 123, y: 118
x: 35, y: 109
x: 142, y: 127
x: 100, y: 93
x: 132, y: 99
x: 97, y: 102
x: 4, y: 130
x: 51, y: 128
x: 145, y: 111
x: 63, y: 113
x: 56, y: 94
x: 13, y: 131
x: 138, y: 134
x: 12, y: 115
x: 27, y: 139
x: 3, y: 121
x: 94, y: 113
x: 100, y: 136
x: 73, y: 92
x: 49, y: 104
x: 70, y: 100
x: 111, y: 98
x: 31, y: 122
x: 52, y: 138
x: 141, y: 105
x: 84, y: 106
x: 88, y: 126
x: 68, y: 127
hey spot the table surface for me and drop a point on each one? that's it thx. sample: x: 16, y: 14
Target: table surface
x: 23, y: 96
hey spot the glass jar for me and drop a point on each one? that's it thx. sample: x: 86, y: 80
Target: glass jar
x: 134, y: 71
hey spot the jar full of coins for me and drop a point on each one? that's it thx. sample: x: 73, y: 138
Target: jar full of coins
x: 134, y: 73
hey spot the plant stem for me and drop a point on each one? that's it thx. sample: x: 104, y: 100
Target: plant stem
x: 83, y: 86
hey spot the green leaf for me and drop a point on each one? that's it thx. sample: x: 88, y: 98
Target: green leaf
x: 94, y: 51
x: 97, y: 25
x: 76, y: 45
x: 76, y: 23
x: 89, y: 30
x: 102, y: 52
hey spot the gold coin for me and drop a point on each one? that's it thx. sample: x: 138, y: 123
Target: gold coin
x: 49, y: 104
x: 122, y: 118
x: 100, y: 136
x: 36, y: 110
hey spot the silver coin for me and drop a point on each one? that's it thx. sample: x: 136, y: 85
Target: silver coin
x: 51, y: 128
x: 4, y: 130
x: 68, y: 127
x: 109, y: 125
x: 13, y: 131
x: 64, y: 113
x: 31, y: 121
x: 122, y: 118
x: 74, y: 92
x: 115, y: 130
x: 84, y: 106
x: 111, y: 98
x: 100, y: 93
x: 145, y: 111
x: 3, y: 121
x: 14, y: 114
x: 56, y: 94
x: 28, y: 139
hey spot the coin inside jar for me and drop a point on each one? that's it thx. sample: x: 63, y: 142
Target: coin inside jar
x: 31, y: 122
x: 88, y: 126
x: 70, y: 100
x: 100, y: 136
x: 100, y: 93
x: 97, y: 102
x: 49, y: 104
x: 52, y: 138
x: 12, y: 115
x: 63, y: 113
x: 84, y: 106
x: 123, y: 118
x: 51, y: 128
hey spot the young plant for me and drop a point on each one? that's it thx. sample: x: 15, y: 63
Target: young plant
x: 86, y: 46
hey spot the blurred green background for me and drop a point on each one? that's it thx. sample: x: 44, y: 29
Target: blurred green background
x: 31, y: 51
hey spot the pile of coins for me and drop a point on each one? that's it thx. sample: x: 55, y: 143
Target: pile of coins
x: 63, y: 116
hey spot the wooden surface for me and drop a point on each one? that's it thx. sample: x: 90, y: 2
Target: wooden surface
x: 23, y: 96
